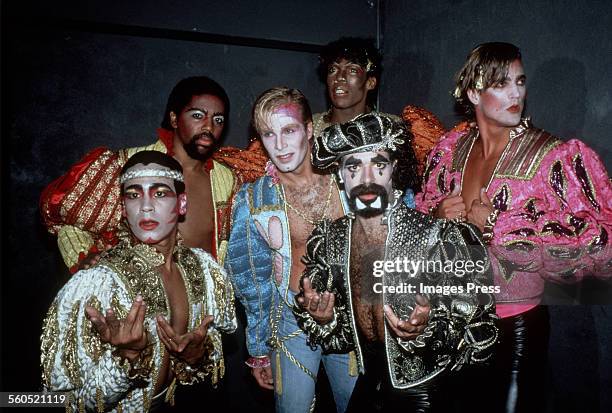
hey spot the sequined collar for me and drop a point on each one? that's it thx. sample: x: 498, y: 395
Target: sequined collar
x: 466, y: 142
x: 138, y: 268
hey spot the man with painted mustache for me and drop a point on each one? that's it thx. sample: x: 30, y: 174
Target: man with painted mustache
x: 406, y: 343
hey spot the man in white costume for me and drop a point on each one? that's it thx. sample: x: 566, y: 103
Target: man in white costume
x: 120, y: 335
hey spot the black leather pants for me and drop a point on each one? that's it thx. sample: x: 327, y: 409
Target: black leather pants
x: 373, y: 391
x: 515, y: 382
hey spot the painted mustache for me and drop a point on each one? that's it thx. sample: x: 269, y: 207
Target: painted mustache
x: 368, y: 200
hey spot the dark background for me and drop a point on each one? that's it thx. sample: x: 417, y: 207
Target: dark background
x: 81, y: 74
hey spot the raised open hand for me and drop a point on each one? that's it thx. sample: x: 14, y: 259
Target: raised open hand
x: 127, y: 335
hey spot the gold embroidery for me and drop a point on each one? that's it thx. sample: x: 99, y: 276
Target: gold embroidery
x: 521, y: 158
x: 263, y: 208
x: 98, y: 183
x: 99, y: 400
x: 462, y: 150
x: 554, y: 227
x: 91, y: 340
x: 223, y: 293
x: 88, y: 177
x: 579, y: 224
x: 120, y: 311
x: 137, y: 268
x: 48, y: 346
x: 70, y: 360
x: 146, y: 401
x: 188, y: 261
x: 525, y: 155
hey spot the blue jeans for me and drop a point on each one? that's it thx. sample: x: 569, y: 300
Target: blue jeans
x: 297, y: 390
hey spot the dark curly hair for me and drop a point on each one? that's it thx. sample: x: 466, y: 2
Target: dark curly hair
x: 361, y: 51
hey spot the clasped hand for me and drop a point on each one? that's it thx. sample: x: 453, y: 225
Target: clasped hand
x: 453, y: 207
x: 319, y: 305
x: 416, y: 323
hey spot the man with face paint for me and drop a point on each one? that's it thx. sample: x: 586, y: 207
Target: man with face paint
x: 271, y: 221
x: 120, y: 335
x: 522, y: 187
x: 83, y: 206
x: 351, y: 69
x: 405, y: 341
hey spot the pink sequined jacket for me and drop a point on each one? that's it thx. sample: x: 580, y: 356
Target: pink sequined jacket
x: 555, y: 213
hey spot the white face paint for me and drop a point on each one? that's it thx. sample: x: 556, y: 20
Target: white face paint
x: 501, y: 105
x: 368, y: 181
x: 151, y: 205
x: 285, y: 138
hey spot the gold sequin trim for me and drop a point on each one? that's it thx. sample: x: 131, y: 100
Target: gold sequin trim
x: 264, y: 208
x: 91, y: 340
x: 70, y: 360
x: 48, y: 346
x: 118, y: 308
x: 223, y: 293
x: 525, y: 155
x: 99, y: 400
x: 462, y: 150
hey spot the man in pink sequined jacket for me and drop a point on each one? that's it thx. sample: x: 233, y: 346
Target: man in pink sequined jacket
x: 544, y: 206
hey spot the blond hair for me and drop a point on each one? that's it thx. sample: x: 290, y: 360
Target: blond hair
x: 271, y: 99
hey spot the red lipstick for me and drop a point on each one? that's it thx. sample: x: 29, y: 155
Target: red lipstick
x: 148, y: 224
x: 286, y: 158
x: 514, y: 109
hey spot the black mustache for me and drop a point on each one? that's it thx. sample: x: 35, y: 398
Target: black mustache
x: 206, y: 134
x: 368, y: 189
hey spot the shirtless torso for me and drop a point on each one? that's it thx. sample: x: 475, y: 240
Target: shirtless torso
x: 367, y: 245
x: 311, y: 202
x: 197, y: 229
x: 478, y: 171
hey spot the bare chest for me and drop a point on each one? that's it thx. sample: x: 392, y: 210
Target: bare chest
x: 176, y: 293
x: 197, y: 228
x: 178, y: 303
x: 366, y: 297
x: 304, y: 208
x: 476, y: 175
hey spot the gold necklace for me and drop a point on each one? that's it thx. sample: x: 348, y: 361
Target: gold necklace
x: 303, y: 215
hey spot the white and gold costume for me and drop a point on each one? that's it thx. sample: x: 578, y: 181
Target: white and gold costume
x: 74, y: 359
